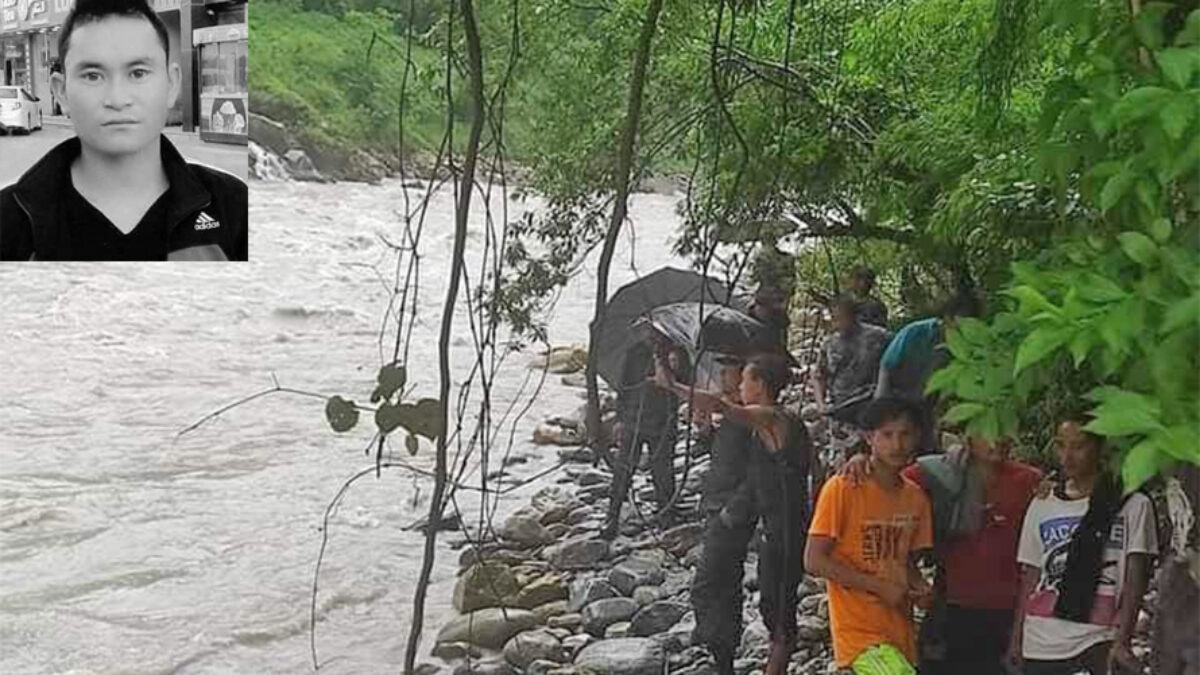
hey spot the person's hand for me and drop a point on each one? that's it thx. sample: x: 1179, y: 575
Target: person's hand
x: 1044, y: 488
x: 893, y: 594
x: 857, y: 469
x: 921, y: 594
x: 662, y: 375
x: 1121, y: 660
x: 1014, y: 663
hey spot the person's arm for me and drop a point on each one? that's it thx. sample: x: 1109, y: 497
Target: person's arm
x: 1137, y: 579
x: 760, y: 417
x: 1029, y: 580
x: 820, y: 561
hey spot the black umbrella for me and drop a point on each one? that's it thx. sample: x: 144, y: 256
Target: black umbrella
x: 711, y: 328
x: 667, y: 286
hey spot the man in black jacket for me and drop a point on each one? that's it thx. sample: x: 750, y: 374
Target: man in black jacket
x: 120, y: 190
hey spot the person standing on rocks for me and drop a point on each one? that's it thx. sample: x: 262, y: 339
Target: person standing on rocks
x: 779, y: 450
x: 647, y: 420
x: 865, y: 539
x: 867, y: 307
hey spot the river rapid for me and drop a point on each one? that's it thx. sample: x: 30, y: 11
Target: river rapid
x: 124, y: 549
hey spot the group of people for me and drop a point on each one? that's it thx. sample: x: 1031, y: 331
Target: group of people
x: 1014, y: 572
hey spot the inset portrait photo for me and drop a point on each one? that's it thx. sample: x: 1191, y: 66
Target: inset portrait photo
x: 123, y: 131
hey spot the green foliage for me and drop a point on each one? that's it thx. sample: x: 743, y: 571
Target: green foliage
x: 423, y: 418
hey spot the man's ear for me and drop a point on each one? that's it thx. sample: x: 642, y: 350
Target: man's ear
x: 175, y: 77
x: 58, y: 85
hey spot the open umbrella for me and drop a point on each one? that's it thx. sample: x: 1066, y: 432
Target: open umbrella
x: 615, y: 335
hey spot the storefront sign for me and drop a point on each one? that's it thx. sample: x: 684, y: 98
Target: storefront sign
x: 227, y: 33
x: 21, y: 15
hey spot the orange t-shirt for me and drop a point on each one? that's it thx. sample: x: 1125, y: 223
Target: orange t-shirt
x: 874, y: 529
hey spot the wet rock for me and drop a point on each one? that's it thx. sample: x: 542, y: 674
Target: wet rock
x: 679, y: 637
x: 542, y: 667
x: 644, y: 595
x: 548, y: 434
x: 584, y: 592
x: 450, y: 651
x: 570, y: 621
x: 547, y: 611
x: 576, y: 642
x: 579, y: 515
x: 812, y: 629
x: 676, y: 583
x: 490, y: 667
x: 554, y: 503
x: 635, y: 572
x: 529, y: 646
x: 301, y: 166
x: 810, y: 586
x: 701, y: 668
x: 755, y: 638
x: 557, y: 530
x: 810, y: 604
x: 489, y: 628
x: 545, y: 589
x: 560, y: 633
x: 483, y: 585
x: 624, y: 656
x: 681, y: 538
x: 491, y: 553
x: 524, y: 529
x: 581, y: 552
x: 576, y: 455
x: 744, y: 666
x: 619, y: 629
x: 592, y: 477
x: 657, y: 617
x: 601, y: 614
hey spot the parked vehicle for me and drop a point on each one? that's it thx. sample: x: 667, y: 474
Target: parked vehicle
x: 19, y: 110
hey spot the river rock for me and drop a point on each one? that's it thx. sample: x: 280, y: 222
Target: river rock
x: 488, y: 628
x: 554, y: 503
x: 529, y: 646
x: 491, y: 553
x: 676, y: 583
x: 569, y: 621
x: 624, y: 656
x: 584, y: 592
x: 483, y: 585
x: 582, y: 552
x: 542, y: 667
x: 580, y: 455
x: 812, y: 629
x: 542, y: 590
x: 524, y: 529
x: 681, y: 538
x: 679, y: 636
x: 619, y: 629
x: 557, y: 530
x: 657, y: 617
x: 450, y: 651
x: 755, y: 638
x: 592, y: 477
x: 601, y: 614
x: 548, y: 434
x: 644, y: 595
x: 573, y: 644
x: 635, y: 572
x: 546, y: 611
x: 488, y: 667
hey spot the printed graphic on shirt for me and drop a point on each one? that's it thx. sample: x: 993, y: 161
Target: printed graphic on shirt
x: 1055, y: 534
x: 883, y: 541
x: 206, y: 222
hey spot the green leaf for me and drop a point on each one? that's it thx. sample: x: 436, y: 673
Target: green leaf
x: 1139, y: 103
x: 1147, y: 26
x: 422, y: 418
x: 1123, y: 413
x: 341, y: 414
x: 963, y: 412
x: 1179, y: 441
x: 1097, y: 288
x: 1115, y: 188
x: 1160, y: 229
x: 942, y: 379
x: 1186, y: 161
x: 988, y: 424
x: 1140, y: 248
x: 1080, y: 346
x: 391, y: 378
x: 1177, y: 65
x: 1177, y: 114
x: 974, y: 331
x: 1185, y: 312
x: 1190, y: 34
x: 1040, y: 344
x: 1032, y: 300
x: 1143, y: 461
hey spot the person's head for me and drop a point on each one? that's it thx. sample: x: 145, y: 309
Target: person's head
x: 989, y: 452
x: 731, y: 374
x: 957, y: 307
x: 892, y: 426
x: 845, y: 316
x: 764, y: 376
x: 1078, y: 450
x: 862, y: 279
x: 117, y: 81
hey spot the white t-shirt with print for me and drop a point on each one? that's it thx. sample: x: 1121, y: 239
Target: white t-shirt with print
x: 1045, y: 538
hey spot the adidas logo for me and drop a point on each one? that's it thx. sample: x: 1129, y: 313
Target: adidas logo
x: 206, y: 222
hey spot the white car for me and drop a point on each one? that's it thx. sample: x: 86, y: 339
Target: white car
x: 19, y: 110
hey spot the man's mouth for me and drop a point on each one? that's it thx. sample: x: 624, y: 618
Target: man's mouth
x: 121, y: 123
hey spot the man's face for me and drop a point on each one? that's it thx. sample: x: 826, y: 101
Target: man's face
x: 843, y: 318
x: 1078, y: 453
x: 860, y: 284
x: 117, y: 84
x: 892, y: 443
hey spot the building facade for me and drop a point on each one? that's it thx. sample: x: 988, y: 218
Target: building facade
x: 213, y: 29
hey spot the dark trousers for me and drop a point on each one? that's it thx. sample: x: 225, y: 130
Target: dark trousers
x: 781, y: 568
x: 976, y: 642
x: 662, y: 471
x: 1093, y: 660
x: 717, y: 588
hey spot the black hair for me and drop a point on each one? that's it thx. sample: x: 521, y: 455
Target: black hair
x: 866, y: 274
x: 963, y: 304
x: 90, y: 11
x: 1085, y: 552
x: 883, y: 410
x: 773, y: 370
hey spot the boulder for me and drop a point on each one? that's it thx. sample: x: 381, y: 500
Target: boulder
x: 428, y: 669
x: 570, y: 621
x: 586, y: 591
x: 657, y: 617
x: 489, y: 667
x: 812, y: 629
x: 524, y: 529
x: 557, y: 530
x: 634, y: 572
x: 542, y: 590
x: 576, y: 642
x: 268, y: 133
x: 549, y: 434
x: 450, y: 651
x: 593, y: 477
x: 676, y: 583
x: 619, y: 629
x: 483, y: 585
x: 542, y: 667
x: 529, y: 646
x: 644, y: 595
x: 547, y: 611
x: 579, y: 515
x: 491, y: 553
x: 678, y: 637
x: 580, y: 455
x: 582, y: 552
x: 681, y: 538
x: 601, y: 614
x: 488, y: 628
x: 624, y: 656
x: 555, y: 503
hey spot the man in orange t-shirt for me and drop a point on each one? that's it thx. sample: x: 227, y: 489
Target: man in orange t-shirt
x: 863, y: 541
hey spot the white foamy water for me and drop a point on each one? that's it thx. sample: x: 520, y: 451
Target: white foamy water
x: 124, y: 551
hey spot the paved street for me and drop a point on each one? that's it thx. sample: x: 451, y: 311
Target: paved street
x: 18, y: 153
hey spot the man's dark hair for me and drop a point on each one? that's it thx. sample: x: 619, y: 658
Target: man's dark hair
x: 961, y: 305
x: 773, y: 370
x: 866, y: 274
x: 883, y: 410
x: 90, y: 11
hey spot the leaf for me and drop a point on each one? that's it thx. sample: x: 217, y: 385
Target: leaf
x: 1190, y: 34
x: 1038, y: 346
x: 1123, y: 413
x: 943, y: 379
x: 1176, y: 65
x: 1160, y: 229
x: 988, y: 424
x: 1147, y: 26
x: 1097, y: 288
x: 1177, y: 114
x: 974, y: 331
x: 1139, y: 103
x: 1115, y: 188
x: 1140, y: 248
x: 1185, y: 312
x: 341, y: 414
x: 1187, y: 160
x: 1179, y: 441
x: 1143, y: 461
x: 1080, y: 346
x: 963, y: 412
x: 412, y: 444
x: 391, y: 378
x: 1032, y: 300
x: 422, y: 418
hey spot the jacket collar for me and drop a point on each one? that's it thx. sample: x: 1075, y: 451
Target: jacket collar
x: 39, y: 190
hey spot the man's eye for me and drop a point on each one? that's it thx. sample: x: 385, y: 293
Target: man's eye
x: 140, y: 73
x: 91, y: 76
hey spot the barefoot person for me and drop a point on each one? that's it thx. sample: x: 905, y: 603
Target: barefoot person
x: 864, y: 540
x: 119, y: 190
x: 780, y: 451
x: 1085, y: 556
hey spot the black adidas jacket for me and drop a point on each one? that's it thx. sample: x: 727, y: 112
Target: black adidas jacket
x: 206, y: 214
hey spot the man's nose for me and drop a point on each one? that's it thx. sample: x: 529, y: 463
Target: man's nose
x: 118, y: 93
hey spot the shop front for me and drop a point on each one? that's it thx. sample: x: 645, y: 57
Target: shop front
x: 224, y: 90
